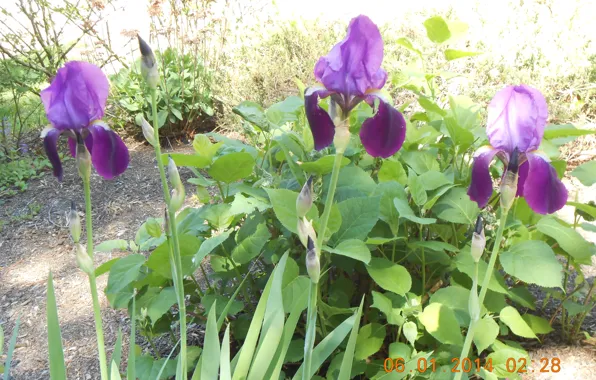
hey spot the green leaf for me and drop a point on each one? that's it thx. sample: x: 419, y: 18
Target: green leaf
x: 131, y: 365
x: 157, y: 302
x: 421, y: 161
x: 181, y: 159
x: 11, y: 346
x: 569, y: 239
x: 385, y: 306
x: 284, y: 206
x: 358, y: 215
x: 567, y: 130
x: 353, y: 182
x: 388, y: 213
x: 159, y: 261
x: 434, y: 245
x: 323, y: 165
x: 293, y: 292
x: 204, y: 147
x: 123, y: 272
x: 430, y: 105
x: 288, y: 110
x: 392, y: 171
x: 389, y: 276
x: 251, y: 246
x: 510, y: 316
x: 224, y: 359
x: 451, y: 54
x: 456, y: 207
x: 110, y: 245
x: 56, y: 351
x: 503, y: 354
x: 117, y: 353
x: 432, y: 180
x: 232, y: 167
x: 370, y: 339
x: 537, y: 324
x: 356, y: 249
x: 441, y: 323
x: 455, y: 298
x: 416, y: 189
x: 405, y: 42
x: 465, y: 264
x: 486, y: 331
x: 406, y: 212
x: 246, y: 205
x: 253, y: 113
x: 211, y: 349
x: 586, y: 173
x: 114, y: 372
x: 534, y: 262
x: 437, y: 29
x: 348, y: 359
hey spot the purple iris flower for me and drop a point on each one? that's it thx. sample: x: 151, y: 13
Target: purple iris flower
x: 516, y: 121
x: 75, y: 102
x: 352, y: 73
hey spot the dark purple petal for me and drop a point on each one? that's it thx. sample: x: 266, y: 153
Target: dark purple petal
x: 353, y: 66
x: 481, y: 187
x: 516, y: 118
x: 77, y: 96
x: 383, y: 134
x: 543, y: 190
x: 110, y: 155
x: 320, y: 122
x: 50, y: 144
x: 521, y: 178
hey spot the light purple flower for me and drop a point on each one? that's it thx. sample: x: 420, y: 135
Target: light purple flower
x: 75, y: 102
x: 352, y: 73
x: 516, y: 121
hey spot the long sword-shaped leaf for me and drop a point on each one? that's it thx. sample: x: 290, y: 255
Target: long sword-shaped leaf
x: 345, y: 372
x: 114, y: 371
x: 55, y: 350
x: 223, y: 315
x: 11, y: 346
x: 117, y: 354
x: 327, y: 346
x: 225, y: 372
x: 210, y: 357
x: 131, y: 370
x: 165, y: 362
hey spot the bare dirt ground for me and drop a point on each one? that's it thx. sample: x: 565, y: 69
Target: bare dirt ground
x: 31, y: 247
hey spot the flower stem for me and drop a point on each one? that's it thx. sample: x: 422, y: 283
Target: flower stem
x: 329, y: 200
x: 175, y: 259
x: 103, y: 364
x: 485, y: 282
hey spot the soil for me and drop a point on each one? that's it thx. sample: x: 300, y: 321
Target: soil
x: 32, y: 244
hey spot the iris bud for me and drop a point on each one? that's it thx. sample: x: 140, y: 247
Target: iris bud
x: 304, y: 200
x: 148, y: 64
x: 83, y: 260
x: 83, y: 159
x: 148, y: 131
x: 173, y: 173
x: 177, y: 199
x: 478, y: 240
x: 313, y: 265
x: 306, y: 231
x: 74, y: 223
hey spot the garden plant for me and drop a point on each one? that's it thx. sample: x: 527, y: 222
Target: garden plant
x: 339, y: 236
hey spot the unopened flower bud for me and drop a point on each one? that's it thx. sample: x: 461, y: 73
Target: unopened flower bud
x: 306, y: 231
x: 304, y: 200
x: 341, y: 139
x: 148, y: 131
x: 509, y: 182
x: 74, y: 223
x: 83, y: 159
x: 83, y: 259
x: 173, y: 173
x: 474, y: 304
x: 177, y: 198
x: 478, y: 240
x: 313, y: 265
x: 148, y: 64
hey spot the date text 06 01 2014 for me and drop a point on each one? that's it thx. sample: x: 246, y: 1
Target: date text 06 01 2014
x: 467, y: 365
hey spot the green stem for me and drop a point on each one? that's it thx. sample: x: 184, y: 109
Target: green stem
x: 329, y: 200
x: 310, y: 330
x: 483, y: 290
x: 175, y: 258
x: 103, y: 363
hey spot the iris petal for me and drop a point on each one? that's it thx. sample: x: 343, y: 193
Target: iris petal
x: 521, y: 179
x: 543, y: 190
x: 383, y: 134
x: 481, y: 187
x: 50, y: 144
x: 320, y: 122
x: 110, y: 155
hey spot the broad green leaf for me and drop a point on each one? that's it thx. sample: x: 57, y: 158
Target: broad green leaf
x: 405, y: 42
x: 486, y: 331
x: 353, y: 248
x: 389, y: 276
x: 158, y: 302
x: 110, y: 245
x: 465, y: 264
x: 353, y: 182
x: 440, y: 321
x: 574, y: 308
x: 253, y: 113
x: 388, y: 213
x: 323, y: 165
x: 432, y: 180
x: 370, y: 339
x: 293, y: 291
x: 246, y: 205
x: 159, y: 260
x: 348, y: 358
x: 385, y: 306
x: 207, y: 246
x: 437, y: 29
x: 56, y: 352
x: 586, y: 173
x: 204, y: 147
x: 211, y: 349
x: 451, y: 54
x: 461, y: 137
x: 421, y: 161
x: 564, y: 131
x: 218, y: 215
x: 250, y: 247
x: 288, y: 110
x: 181, y: 159
x: 410, y: 331
x: 232, y: 167
x: 358, y: 215
x: 455, y: 298
x: 123, y: 272
x: 569, y: 239
x: 434, y: 245
x: 416, y: 189
x: 585, y: 209
x: 406, y: 212
x: 501, y: 355
x: 537, y: 324
x: 149, y: 368
x: 456, y: 207
x: 533, y: 261
x: 510, y: 316
x: 400, y: 350
x: 284, y: 206
x: 392, y: 171
x: 430, y: 106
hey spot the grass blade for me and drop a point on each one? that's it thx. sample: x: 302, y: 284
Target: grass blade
x: 131, y: 370
x: 225, y: 373
x: 210, y: 357
x: 117, y: 354
x: 345, y: 372
x: 55, y: 350
x: 11, y: 346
